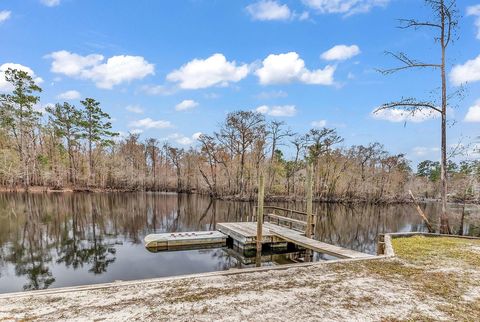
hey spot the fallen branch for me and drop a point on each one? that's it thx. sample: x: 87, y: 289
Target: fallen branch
x: 421, y: 213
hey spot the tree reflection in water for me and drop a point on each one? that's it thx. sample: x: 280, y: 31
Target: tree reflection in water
x: 82, y: 233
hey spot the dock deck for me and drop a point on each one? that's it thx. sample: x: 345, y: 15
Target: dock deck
x: 246, y: 233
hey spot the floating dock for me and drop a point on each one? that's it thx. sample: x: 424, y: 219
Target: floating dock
x: 175, y: 241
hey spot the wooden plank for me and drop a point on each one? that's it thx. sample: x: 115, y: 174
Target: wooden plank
x: 315, y: 245
x: 282, y: 218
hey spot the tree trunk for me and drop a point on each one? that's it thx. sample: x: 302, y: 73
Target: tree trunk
x: 444, y: 226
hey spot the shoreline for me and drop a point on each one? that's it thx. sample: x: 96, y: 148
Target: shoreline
x: 392, y: 286
x: 345, y: 201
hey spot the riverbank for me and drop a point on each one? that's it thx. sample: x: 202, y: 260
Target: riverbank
x: 268, y: 198
x: 431, y: 278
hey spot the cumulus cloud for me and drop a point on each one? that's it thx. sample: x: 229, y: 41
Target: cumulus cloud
x: 269, y: 10
x: 289, y: 67
x: 50, y: 3
x: 5, y: 15
x: 473, y: 114
x: 468, y: 72
x: 475, y: 11
x: 421, y: 151
x: 341, y: 52
x: 5, y: 86
x: 399, y: 115
x: 278, y: 110
x: 148, y: 123
x: 184, y: 140
x: 134, y: 109
x: 319, y: 123
x: 345, y: 7
x: 186, y: 105
x: 69, y: 95
x: 203, y: 73
x: 105, y: 74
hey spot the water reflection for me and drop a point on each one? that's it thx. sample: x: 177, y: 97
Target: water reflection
x: 53, y: 240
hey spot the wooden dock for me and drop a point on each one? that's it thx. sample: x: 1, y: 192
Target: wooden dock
x: 173, y: 241
x: 246, y: 233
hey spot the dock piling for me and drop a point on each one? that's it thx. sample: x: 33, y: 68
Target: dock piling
x: 260, y: 213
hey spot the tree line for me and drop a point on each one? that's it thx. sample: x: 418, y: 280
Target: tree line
x: 75, y: 147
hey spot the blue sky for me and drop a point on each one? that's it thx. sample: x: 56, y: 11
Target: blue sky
x: 173, y: 69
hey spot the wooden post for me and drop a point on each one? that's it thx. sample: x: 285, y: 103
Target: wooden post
x: 260, y: 214
x: 309, y: 192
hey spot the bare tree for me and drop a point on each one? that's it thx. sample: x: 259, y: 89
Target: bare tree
x: 276, y: 133
x: 239, y: 132
x: 444, y: 22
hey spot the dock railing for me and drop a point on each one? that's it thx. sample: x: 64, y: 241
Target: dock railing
x: 286, y: 219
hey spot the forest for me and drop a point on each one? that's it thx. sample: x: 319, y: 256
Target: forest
x: 67, y: 147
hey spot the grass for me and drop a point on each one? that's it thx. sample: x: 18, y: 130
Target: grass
x: 439, y: 269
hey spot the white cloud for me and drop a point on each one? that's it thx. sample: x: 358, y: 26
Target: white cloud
x: 399, y: 115
x: 157, y: 90
x: 289, y: 67
x: 114, y: 71
x: 5, y: 15
x: 42, y: 107
x: 134, y: 109
x: 421, y: 151
x: 319, y: 123
x: 303, y: 16
x: 72, y: 64
x: 69, y: 95
x: 475, y: 11
x: 203, y: 73
x: 50, y: 3
x: 346, y: 7
x: 196, y: 135
x: 148, y: 123
x: 5, y: 86
x: 269, y: 10
x: 136, y: 131
x: 186, y: 105
x: 473, y: 114
x: 184, y: 140
x: 271, y: 95
x: 341, y: 52
x: 468, y: 72
x: 278, y: 110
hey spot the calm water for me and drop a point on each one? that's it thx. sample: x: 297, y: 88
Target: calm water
x: 54, y: 240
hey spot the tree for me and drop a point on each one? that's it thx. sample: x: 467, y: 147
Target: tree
x: 65, y: 120
x: 445, y: 23
x: 96, y: 129
x: 239, y: 132
x: 19, y: 118
x: 276, y: 134
x: 152, y: 151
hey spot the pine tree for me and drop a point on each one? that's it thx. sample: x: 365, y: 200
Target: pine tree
x: 19, y: 118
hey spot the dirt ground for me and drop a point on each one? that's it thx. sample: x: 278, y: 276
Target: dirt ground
x: 430, y: 279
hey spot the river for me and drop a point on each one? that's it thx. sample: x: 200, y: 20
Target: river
x: 66, y: 239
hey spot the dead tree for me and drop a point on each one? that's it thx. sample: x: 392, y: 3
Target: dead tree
x: 444, y: 22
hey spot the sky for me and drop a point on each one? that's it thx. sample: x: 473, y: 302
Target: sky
x: 174, y: 69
